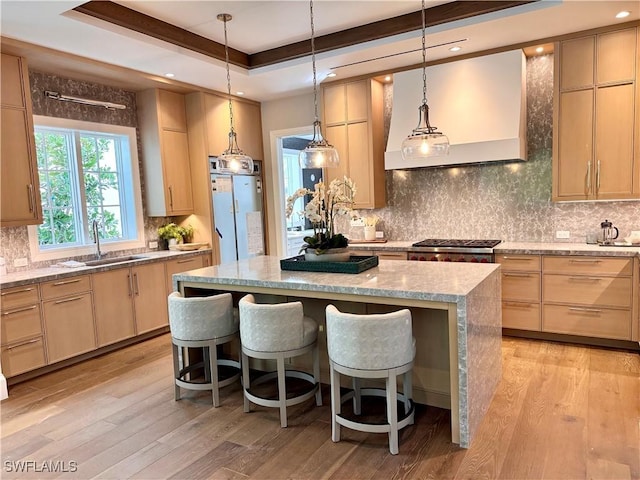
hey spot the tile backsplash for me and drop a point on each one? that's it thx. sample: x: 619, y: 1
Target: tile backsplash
x: 507, y: 201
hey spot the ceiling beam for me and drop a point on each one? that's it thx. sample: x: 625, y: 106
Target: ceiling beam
x: 147, y: 25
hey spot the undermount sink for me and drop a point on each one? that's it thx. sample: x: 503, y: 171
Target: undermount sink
x: 108, y: 261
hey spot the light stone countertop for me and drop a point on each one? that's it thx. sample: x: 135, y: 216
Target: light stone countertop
x: 431, y: 281
x: 515, y: 248
x: 17, y: 279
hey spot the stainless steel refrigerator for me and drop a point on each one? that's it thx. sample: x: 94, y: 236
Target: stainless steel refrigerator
x: 238, y: 213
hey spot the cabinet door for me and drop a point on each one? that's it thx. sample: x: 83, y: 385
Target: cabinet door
x: 181, y: 265
x: 248, y: 125
x: 150, y: 297
x: 573, y: 168
x: 69, y: 326
x: 360, y: 170
x: 175, y: 152
x: 576, y: 69
x: 336, y: 135
x: 23, y: 357
x: 616, y: 168
x: 172, y: 111
x: 616, y: 56
x: 357, y: 101
x: 112, y: 296
x: 334, y: 104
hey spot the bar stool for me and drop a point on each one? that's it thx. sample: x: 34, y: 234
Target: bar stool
x: 275, y: 332
x: 371, y: 346
x: 202, y: 322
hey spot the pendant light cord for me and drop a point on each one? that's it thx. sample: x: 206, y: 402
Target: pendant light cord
x: 313, y: 63
x: 424, y: 57
x: 226, y: 57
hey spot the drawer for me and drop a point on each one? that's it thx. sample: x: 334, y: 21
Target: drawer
x: 587, y: 290
x: 65, y: 286
x: 69, y: 326
x: 591, y: 322
x: 588, y: 265
x: 23, y: 357
x: 519, y: 263
x: 382, y: 255
x: 19, y: 296
x: 20, y: 323
x: 181, y: 265
x: 520, y: 315
x: 521, y: 286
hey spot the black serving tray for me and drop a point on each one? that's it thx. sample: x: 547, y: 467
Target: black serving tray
x: 355, y: 264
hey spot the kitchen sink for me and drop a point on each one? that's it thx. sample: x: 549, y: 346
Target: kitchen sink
x: 109, y: 261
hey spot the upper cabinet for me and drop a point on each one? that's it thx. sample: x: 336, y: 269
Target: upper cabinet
x: 20, y: 193
x: 165, y: 147
x: 353, y: 123
x: 596, y: 135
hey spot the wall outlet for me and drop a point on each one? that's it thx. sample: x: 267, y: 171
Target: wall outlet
x: 153, y: 244
x: 357, y: 222
x: 20, y: 262
x: 563, y: 234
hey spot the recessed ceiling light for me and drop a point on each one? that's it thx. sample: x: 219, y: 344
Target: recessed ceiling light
x: 170, y: 75
x: 539, y: 49
x: 455, y: 49
x: 623, y: 14
x: 387, y: 78
x: 331, y: 74
x: 239, y: 93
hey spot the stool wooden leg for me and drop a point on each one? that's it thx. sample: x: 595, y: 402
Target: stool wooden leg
x: 176, y: 369
x: 335, y: 403
x: 392, y: 413
x: 357, y: 398
x: 246, y: 381
x: 282, y: 391
x: 316, y: 374
x: 213, y: 366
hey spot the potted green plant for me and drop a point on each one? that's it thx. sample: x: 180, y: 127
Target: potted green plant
x: 173, y: 233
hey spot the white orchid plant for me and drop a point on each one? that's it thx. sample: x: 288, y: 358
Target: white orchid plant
x: 325, y: 205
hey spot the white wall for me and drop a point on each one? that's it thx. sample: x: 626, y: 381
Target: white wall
x: 282, y: 114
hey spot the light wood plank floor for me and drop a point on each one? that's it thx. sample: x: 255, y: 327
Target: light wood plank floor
x: 560, y: 412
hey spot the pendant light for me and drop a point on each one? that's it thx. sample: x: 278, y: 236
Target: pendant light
x: 318, y: 153
x: 424, y: 140
x: 232, y: 160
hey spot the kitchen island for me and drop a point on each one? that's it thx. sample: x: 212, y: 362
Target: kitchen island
x: 455, y: 309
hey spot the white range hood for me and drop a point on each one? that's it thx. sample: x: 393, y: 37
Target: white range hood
x: 479, y: 103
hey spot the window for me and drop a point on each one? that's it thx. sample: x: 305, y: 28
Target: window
x: 88, y: 173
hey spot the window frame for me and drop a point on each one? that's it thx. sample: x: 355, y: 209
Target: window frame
x: 134, y: 198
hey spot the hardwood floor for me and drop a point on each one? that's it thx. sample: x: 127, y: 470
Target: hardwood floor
x: 561, y: 411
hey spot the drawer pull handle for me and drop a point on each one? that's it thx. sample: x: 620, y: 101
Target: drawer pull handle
x: 586, y: 310
x: 23, y: 290
x: 25, y: 309
x: 585, y: 279
x: 73, y: 299
x: 510, y: 274
x: 186, y: 261
x: 519, y: 259
x: 519, y: 305
x: 585, y: 260
x: 66, y: 282
x: 22, y: 344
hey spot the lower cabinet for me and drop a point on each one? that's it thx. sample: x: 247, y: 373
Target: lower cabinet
x: 68, y: 317
x: 520, y: 291
x: 149, y: 295
x: 21, y: 330
x: 112, y: 297
x: 182, y: 265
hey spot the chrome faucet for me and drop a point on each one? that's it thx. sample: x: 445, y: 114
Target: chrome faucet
x: 96, y: 237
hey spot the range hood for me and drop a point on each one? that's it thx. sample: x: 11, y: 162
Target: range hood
x: 479, y: 103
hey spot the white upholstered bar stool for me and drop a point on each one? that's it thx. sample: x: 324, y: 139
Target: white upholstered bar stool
x: 371, y: 346
x: 276, y: 332
x: 202, y: 322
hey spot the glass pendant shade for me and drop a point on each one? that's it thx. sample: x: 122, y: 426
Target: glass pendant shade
x: 319, y: 153
x: 234, y: 160
x: 424, y: 140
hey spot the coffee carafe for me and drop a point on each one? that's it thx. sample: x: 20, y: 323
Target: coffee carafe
x: 609, y: 233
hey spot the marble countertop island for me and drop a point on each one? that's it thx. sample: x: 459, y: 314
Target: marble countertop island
x: 467, y: 296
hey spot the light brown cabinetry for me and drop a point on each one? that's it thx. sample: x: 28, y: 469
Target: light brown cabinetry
x: 21, y: 330
x: 150, y: 299
x: 353, y: 123
x: 521, y: 292
x: 182, y: 265
x: 165, y: 147
x: 596, y: 144
x: 589, y: 296
x: 68, y: 317
x: 20, y: 190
